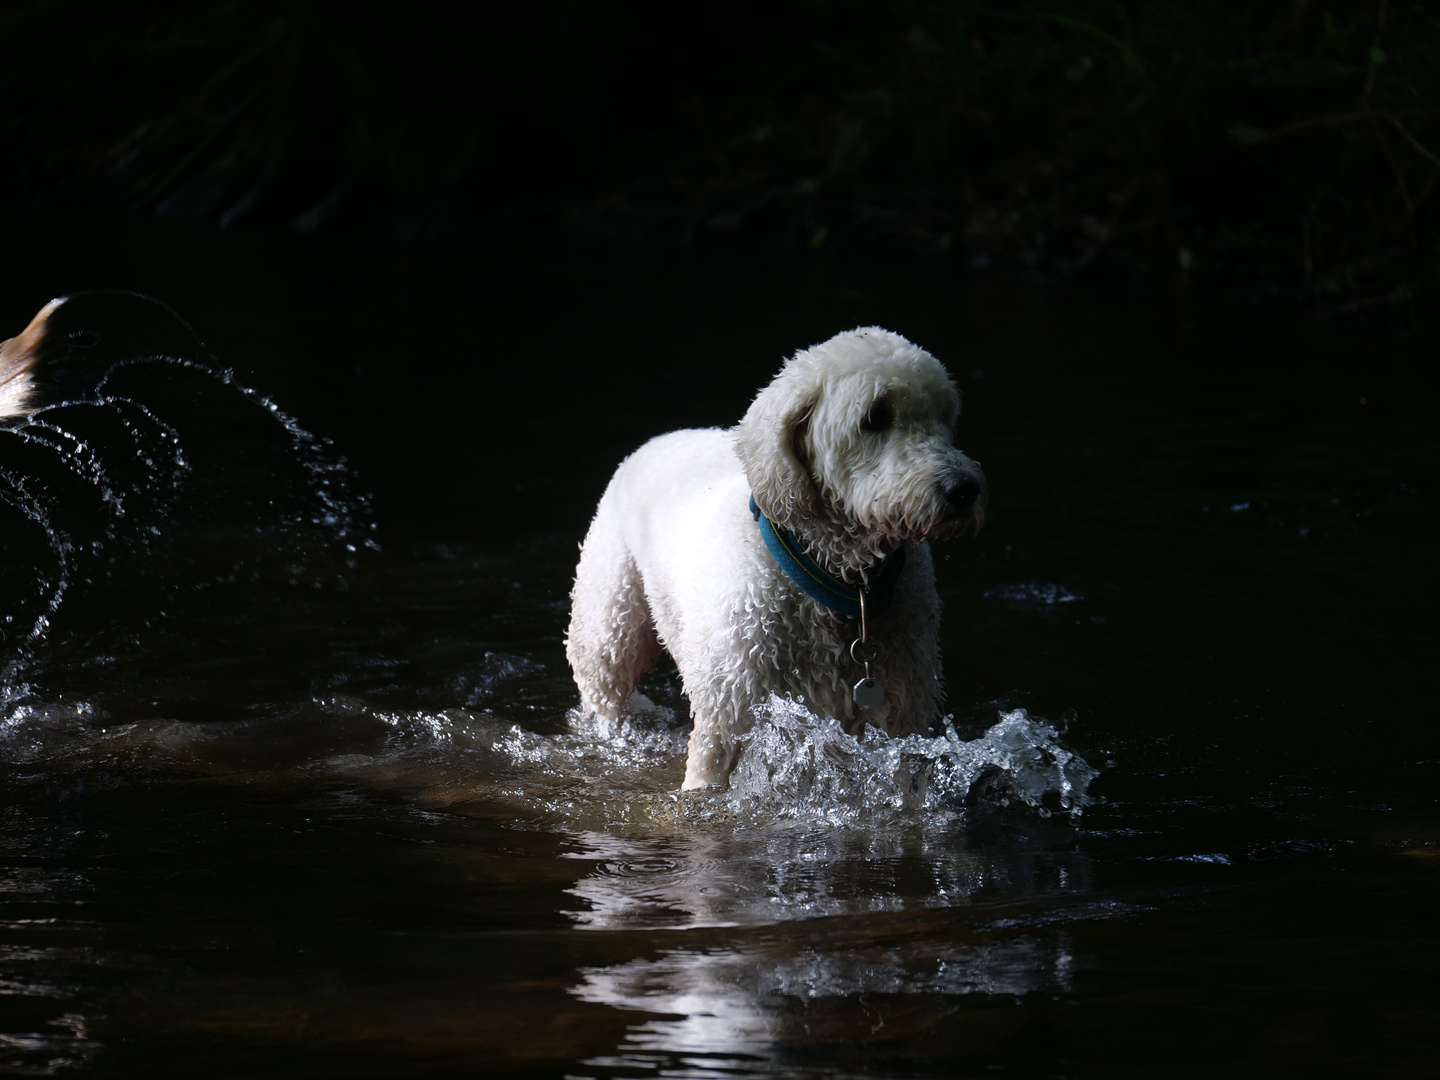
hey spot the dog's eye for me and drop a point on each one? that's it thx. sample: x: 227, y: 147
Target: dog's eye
x: 879, y: 418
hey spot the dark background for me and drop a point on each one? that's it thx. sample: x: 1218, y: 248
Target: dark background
x: 1284, y: 150
x: 402, y: 221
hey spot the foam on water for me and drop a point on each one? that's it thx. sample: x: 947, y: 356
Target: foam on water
x: 794, y: 765
x: 798, y: 768
x: 794, y: 771
x: 793, y: 768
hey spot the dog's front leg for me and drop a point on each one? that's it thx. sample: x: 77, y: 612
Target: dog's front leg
x: 711, y: 755
x: 720, y: 704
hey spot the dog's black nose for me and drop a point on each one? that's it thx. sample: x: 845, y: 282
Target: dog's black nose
x: 962, y: 491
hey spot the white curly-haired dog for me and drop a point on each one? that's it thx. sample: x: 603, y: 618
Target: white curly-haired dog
x: 749, y: 553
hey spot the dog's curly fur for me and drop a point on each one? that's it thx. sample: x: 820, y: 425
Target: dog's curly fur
x: 851, y: 448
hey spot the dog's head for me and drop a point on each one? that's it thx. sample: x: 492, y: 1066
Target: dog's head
x: 857, y: 435
x: 19, y: 357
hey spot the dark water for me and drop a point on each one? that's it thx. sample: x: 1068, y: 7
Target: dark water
x: 290, y: 784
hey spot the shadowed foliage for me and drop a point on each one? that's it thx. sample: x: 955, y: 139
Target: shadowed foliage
x: 1286, y: 148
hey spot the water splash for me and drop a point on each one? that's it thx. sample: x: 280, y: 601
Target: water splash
x: 77, y: 478
x: 330, y: 504
x: 796, y: 766
x: 144, y: 439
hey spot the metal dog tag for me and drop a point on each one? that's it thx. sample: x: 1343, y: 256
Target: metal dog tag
x: 869, y: 692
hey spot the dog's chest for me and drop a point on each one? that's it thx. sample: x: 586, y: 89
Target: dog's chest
x: 806, y: 652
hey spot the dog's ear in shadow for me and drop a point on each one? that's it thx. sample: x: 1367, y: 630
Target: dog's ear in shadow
x: 771, y: 444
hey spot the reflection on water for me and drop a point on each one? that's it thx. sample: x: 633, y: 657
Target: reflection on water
x: 1032, y: 595
x: 750, y: 877
x: 816, y: 823
x: 729, y: 1002
x: 41, y: 1033
x: 893, y: 905
x: 63, y: 1048
x: 766, y: 999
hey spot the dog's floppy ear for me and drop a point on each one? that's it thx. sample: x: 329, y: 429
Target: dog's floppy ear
x: 769, y: 442
x: 18, y: 357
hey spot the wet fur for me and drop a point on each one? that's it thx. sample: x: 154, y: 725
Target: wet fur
x: 674, y: 560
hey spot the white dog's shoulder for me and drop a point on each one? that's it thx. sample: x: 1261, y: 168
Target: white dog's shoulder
x: 673, y: 494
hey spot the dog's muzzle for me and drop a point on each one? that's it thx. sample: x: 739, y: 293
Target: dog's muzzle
x: 964, y: 494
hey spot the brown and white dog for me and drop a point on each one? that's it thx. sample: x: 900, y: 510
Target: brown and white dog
x: 20, y: 356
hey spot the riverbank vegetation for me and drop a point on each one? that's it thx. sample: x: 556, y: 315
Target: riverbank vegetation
x: 1286, y: 149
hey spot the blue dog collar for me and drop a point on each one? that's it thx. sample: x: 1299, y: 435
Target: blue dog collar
x: 821, y: 585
